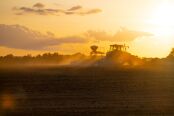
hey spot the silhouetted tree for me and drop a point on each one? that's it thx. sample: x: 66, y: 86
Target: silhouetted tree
x: 171, y: 55
x: 8, y: 56
x: 44, y: 58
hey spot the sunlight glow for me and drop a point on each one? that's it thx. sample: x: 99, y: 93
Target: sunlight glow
x: 162, y: 31
x: 163, y: 19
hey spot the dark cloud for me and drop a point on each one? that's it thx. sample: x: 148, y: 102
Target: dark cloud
x: 85, y: 12
x: 26, y: 10
x: 40, y: 9
x: 75, y: 8
x: 69, y: 13
x: 123, y: 35
x: 39, y: 5
x: 16, y: 36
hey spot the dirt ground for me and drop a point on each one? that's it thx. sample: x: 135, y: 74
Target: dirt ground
x: 60, y: 91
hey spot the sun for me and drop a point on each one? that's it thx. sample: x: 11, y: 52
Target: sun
x: 163, y: 15
x: 162, y: 18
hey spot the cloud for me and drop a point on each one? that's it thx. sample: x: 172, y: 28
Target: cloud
x: 50, y: 34
x: 128, y: 35
x: 16, y: 36
x: 75, y: 8
x: 123, y: 35
x: 26, y: 10
x: 39, y: 9
x: 98, y: 35
x: 39, y: 5
x: 20, y: 37
x: 92, y: 11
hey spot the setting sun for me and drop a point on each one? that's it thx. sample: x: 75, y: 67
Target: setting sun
x: 162, y: 19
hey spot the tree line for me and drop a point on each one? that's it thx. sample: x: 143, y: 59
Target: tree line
x: 42, y: 58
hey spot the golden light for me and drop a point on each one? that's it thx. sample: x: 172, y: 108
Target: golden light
x: 162, y: 18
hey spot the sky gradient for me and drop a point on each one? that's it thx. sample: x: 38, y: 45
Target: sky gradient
x: 70, y: 26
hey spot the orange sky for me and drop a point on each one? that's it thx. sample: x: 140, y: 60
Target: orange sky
x: 74, y: 18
